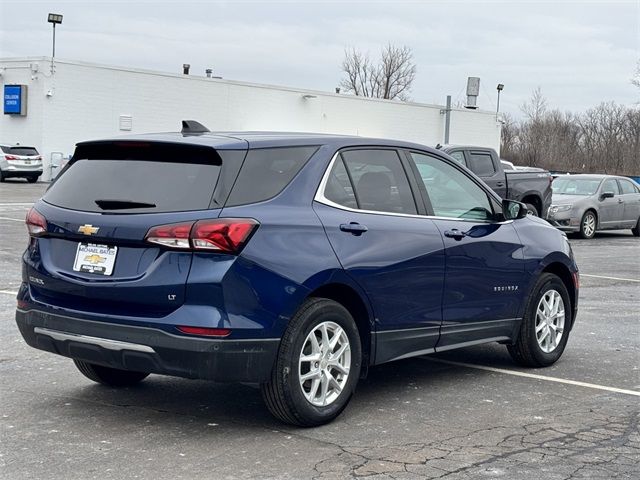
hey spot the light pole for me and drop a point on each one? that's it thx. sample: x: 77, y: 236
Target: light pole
x: 54, y: 19
x: 500, y: 87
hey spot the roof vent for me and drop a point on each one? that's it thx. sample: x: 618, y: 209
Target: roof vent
x: 191, y: 127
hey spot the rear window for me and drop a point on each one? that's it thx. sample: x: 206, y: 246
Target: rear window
x: 26, y: 151
x: 266, y: 172
x: 134, y: 186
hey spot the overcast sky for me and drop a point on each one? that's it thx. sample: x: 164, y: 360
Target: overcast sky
x: 579, y: 52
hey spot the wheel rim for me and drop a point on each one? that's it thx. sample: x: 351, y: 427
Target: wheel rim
x: 324, y: 364
x: 589, y: 224
x: 550, y: 321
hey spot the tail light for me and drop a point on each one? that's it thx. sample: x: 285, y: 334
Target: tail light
x: 11, y: 157
x: 36, y: 223
x: 39, y: 157
x: 226, y: 235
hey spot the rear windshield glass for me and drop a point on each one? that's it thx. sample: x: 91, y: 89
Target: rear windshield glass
x: 134, y: 186
x: 266, y: 172
x: 27, y: 151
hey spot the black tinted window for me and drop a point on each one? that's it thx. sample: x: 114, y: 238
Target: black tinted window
x: 146, y: 185
x: 266, y: 172
x: 339, y: 188
x: 481, y: 164
x: 26, y: 151
x: 380, y: 181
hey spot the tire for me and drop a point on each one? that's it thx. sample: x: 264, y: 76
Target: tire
x: 534, y: 348
x: 1, y: 176
x: 532, y: 210
x: 636, y: 230
x: 286, y: 397
x: 111, y: 377
x: 32, y: 179
x: 588, y: 225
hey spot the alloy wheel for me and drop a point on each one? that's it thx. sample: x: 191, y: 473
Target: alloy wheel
x: 324, y: 364
x: 589, y: 225
x: 550, y: 318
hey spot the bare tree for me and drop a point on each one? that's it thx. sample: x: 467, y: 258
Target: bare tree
x: 391, y: 78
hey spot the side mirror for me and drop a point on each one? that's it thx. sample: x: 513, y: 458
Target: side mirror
x: 606, y: 195
x: 512, y: 210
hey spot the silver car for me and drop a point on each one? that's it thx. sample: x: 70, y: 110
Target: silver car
x: 586, y: 203
x: 20, y: 161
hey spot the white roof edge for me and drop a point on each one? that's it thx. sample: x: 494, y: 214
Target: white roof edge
x: 231, y: 82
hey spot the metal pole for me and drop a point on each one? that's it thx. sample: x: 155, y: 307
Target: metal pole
x: 54, y: 41
x: 447, y: 120
x: 498, y: 107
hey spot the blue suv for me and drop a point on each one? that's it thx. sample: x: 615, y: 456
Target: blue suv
x: 292, y: 261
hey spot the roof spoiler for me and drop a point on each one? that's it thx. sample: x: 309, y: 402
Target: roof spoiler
x: 191, y: 127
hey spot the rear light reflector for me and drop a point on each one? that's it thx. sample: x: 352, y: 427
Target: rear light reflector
x: 22, y: 305
x: 174, y: 235
x: 36, y: 223
x: 576, y: 280
x: 206, y: 332
x: 226, y: 235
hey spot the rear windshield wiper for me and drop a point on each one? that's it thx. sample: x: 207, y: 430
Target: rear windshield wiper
x: 122, y: 204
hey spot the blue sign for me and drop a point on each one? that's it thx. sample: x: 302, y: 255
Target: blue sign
x: 15, y: 99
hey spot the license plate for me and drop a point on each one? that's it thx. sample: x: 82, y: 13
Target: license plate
x: 92, y: 258
x: 27, y: 162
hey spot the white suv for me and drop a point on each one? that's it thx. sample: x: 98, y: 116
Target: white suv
x: 20, y: 161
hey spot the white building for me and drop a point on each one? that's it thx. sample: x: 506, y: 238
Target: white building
x: 82, y: 101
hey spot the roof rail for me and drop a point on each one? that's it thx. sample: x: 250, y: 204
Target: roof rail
x: 191, y: 127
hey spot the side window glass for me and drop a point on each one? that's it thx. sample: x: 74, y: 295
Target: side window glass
x: 451, y: 192
x: 610, y: 185
x: 458, y: 157
x: 626, y: 187
x: 481, y: 164
x: 339, y: 189
x: 380, y: 182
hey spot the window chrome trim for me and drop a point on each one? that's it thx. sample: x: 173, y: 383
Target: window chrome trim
x: 320, y: 198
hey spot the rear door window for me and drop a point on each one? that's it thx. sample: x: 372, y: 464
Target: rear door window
x: 481, y: 164
x: 379, y: 181
x: 627, y: 187
x: 266, y: 172
x: 458, y: 156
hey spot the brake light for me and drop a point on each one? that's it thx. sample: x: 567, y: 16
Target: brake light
x: 36, y: 223
x: 174, y: 235
x: 39, y: 157
x: 227, y: 235
x: 11, y: 157
x: 576, y: 280
x: 207, y: 332
x: 223, y: 234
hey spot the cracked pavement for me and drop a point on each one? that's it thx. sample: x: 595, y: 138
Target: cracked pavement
x: 413, y: 419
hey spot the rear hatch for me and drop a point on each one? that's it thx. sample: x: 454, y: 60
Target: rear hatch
x: 95, y: 255
x: 22, y: 157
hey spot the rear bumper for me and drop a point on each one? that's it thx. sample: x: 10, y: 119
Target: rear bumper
x: 147, y: 349
x: 22, y: 172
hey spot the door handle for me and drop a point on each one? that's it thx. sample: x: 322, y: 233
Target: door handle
x: 354, y: 228
x: 455, y: 233
x: 620, y: 200
x: 500, y: 184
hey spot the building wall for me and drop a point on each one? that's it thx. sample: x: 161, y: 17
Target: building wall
x: 85, y: 102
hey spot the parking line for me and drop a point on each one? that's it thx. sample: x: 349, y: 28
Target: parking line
x: 536, y: 377
x: 611, y: 278
x: 21, y: 220
x: 8, y: 292
x: 16, y: 204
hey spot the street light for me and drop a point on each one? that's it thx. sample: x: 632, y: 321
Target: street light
x: 54, y: 19
x: 500, y: 87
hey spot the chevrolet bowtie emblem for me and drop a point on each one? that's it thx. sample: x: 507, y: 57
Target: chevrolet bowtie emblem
x: 94, y: 259
x: 88, y: 229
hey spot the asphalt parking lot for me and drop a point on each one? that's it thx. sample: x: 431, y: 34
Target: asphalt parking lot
x: 467, y: 414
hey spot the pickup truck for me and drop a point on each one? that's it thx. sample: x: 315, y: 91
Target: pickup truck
x: 531, y: 186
